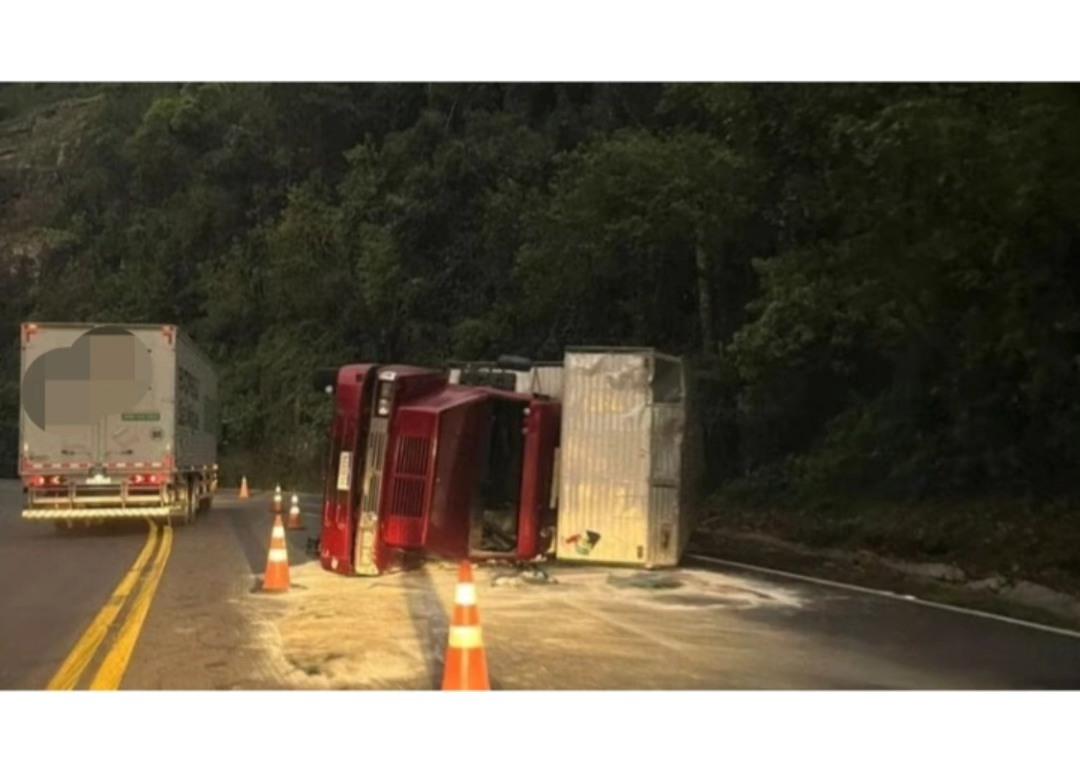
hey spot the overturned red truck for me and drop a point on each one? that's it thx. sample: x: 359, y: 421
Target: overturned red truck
x: 481, y: 462
x: 417, y: 464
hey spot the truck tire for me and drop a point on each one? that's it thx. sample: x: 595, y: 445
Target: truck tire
x: 190, y: 510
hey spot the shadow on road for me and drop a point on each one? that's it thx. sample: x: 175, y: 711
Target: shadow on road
x: 429, y: 621
x: 78, y: 531
x: 252, y: 531
x: 249, y: 534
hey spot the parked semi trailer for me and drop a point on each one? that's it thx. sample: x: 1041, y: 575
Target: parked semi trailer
x: 117, y: 421
x: 480, y: 462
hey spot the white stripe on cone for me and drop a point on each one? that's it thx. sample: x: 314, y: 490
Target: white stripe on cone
x: 279, y: 554
x: 466, y: 636
x: 278, y: 532
x: 465, y: 594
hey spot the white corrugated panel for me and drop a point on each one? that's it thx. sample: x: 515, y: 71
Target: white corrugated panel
x: 545, y: 380
x: 604, y: 503
x: 621, y: 458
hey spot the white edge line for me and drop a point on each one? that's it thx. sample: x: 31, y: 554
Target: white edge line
x: 888, y: 594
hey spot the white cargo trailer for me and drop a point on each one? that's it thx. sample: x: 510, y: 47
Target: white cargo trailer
x: 116, y: 421
x: 629, y: 460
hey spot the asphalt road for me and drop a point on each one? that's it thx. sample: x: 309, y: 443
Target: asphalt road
x: 947, y: 647
x: 206, y: 628
x: 51, y: 586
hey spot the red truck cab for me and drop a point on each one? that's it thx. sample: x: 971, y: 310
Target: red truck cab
x: 419, y: 465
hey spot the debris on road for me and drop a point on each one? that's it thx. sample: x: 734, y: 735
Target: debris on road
x: 533, y: 575
x: 391, y: 632
x: 647, y: 580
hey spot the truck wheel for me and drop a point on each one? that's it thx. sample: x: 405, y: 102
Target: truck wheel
x: 190, y: 511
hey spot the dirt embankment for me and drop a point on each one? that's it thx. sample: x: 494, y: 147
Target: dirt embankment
x: 1006, y: 558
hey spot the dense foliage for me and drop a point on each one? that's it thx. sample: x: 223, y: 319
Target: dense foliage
x: 878, y: 283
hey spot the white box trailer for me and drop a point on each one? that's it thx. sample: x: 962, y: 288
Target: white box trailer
x: 629, y: 458
x: 116, y: 421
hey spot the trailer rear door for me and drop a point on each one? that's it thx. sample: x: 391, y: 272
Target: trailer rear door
x: 96, y: 395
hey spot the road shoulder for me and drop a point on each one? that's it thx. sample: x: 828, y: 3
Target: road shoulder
x: 942, y: 583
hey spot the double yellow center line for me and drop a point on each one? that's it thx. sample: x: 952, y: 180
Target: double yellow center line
x: 112, y: 668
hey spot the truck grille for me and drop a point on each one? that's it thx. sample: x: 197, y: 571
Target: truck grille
x: 376, y: 456
x: 413, y: 456
x: 408, y: 500
x: 371, y: 494
x: 405, y: 525
x: 367, y: 529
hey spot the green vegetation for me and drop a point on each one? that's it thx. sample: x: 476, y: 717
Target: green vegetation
x: 879, y: 282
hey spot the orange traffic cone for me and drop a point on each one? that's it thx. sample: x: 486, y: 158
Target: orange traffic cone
x: 294, y: 522
x: 466, y: 662
x: 277, y: 509
x: 244, y: 488
x: 276, y: 578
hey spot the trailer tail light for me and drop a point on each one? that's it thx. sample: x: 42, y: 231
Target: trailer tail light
x: 146, y: 479
x: 28, y: 331
x: 46, y: 481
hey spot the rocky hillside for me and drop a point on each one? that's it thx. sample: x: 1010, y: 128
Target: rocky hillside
x: 36, y: 144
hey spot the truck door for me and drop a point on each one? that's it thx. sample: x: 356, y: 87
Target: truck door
x: 132, y: 380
